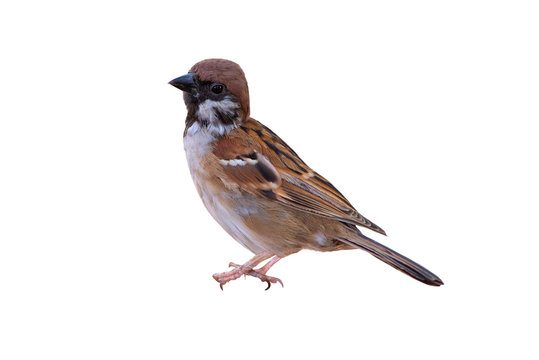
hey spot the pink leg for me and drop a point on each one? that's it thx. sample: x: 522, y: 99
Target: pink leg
x: 248, y: 269
x: 261, y: 272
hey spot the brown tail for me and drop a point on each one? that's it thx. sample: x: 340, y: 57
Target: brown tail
x: 393, y: 258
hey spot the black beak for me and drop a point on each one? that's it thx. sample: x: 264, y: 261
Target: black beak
x: 185, y: 83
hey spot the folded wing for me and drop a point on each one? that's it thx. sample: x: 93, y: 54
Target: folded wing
x: 262, y: 163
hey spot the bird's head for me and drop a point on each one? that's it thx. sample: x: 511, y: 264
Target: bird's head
x: 216, y: 96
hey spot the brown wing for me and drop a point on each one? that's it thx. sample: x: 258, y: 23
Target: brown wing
x: 258, y: 160
x: 252, y: 171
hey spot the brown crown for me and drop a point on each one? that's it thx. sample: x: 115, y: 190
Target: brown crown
x: 228, y: 73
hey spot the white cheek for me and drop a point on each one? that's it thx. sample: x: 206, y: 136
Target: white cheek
x: 206, y: 111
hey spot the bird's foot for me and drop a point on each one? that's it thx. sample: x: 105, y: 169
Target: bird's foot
x: 247, y: 269
x: 260, y: 274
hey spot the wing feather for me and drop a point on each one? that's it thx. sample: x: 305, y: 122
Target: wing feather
x: 262, y: 163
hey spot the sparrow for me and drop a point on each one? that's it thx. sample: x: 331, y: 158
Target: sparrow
x: 258, y: 189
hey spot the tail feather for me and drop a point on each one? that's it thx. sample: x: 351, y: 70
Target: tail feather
x: 394, y: 259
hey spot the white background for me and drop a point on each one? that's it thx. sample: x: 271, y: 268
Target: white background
x: 422, y: 113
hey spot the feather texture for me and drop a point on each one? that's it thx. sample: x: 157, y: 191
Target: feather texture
x: 294, y: 183
x: 257, y: 188
x: 393, y: 258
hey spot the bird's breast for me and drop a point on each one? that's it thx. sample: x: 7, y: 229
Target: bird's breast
x: 226, y: 205
x: 257, y: 223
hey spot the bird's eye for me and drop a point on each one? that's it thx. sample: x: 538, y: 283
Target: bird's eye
x: 217, y: 88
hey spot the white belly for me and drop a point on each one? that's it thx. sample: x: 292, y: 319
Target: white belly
x: 227, y: 208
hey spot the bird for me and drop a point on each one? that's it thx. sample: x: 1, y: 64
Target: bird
x: 258, y: 188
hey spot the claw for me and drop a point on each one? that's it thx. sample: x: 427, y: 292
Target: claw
x: 277, y: 280
x: 248, y: 270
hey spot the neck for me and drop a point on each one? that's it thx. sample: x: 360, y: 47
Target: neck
x: 213, y: 118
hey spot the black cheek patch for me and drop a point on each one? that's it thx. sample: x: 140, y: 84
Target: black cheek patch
x: 226, y: 118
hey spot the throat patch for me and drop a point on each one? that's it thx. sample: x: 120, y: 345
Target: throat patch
x: 216, y: 117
